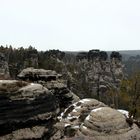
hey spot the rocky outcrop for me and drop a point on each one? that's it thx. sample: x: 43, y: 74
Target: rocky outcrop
x: 42, y: 107
x: 52, y: 81
x: 27, y: 110
x: 32, y: 74
x: 102, y: 125
x: 32, y: 111
x: 98, y: 122
x: 4, y: 68
x: 77, y: 112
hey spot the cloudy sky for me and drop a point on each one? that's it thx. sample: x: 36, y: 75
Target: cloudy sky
x: 71, y: 24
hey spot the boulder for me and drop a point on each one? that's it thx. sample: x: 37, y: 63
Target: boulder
x: 75, y: 114
x: 90, y: 119
x: 102, y: 121
x: 106, y: 123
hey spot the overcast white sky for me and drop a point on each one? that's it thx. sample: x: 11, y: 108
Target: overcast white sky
x: 71, y: 24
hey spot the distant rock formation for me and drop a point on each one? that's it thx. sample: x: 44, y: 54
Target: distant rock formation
x: 97, y: 73
x: 4, y: 68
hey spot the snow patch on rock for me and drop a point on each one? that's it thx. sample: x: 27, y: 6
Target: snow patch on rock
x: 67, y: 124
x: 87, y: 118
x: 97, y: 109
x: 84, y: 100
x: 124, y: 112
x: 84, y: 127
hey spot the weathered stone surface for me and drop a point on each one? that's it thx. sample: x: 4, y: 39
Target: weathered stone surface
x: 25, y: 108
x: 80, y: 138
x: 79, y: 110
x: 29, y: 111
x: 106, y: 123
x: 31, y: 108
x: 75, y: 114
x: 38, y: 74
x: 93, y: 120
x: 52, y: 81
x: 62, y: 93
x: 102, y: 121
x: 27, y: 133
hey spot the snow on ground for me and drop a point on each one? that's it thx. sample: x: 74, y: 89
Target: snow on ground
x: 124, y: 112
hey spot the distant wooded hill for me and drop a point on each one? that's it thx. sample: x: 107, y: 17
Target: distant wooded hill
x: 126, y: 54
x: 130, y: 59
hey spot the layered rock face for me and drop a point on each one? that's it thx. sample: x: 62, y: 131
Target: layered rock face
x: 26, y: 110
x: 98, y: 122
x: 52, y: 81
x: 106, y: 123
x: 37, y: 75
x: 4, y: 68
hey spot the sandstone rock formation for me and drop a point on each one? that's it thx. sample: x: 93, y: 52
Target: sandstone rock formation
x: 77, y: 112
x: 27, y: 110
x: 31, y: 111
x: 90, y: 119
x: 4, y: 69
x: 52, y: 81
x: 32, y: 74
x: 42, y: 107
x: 106, y: 123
